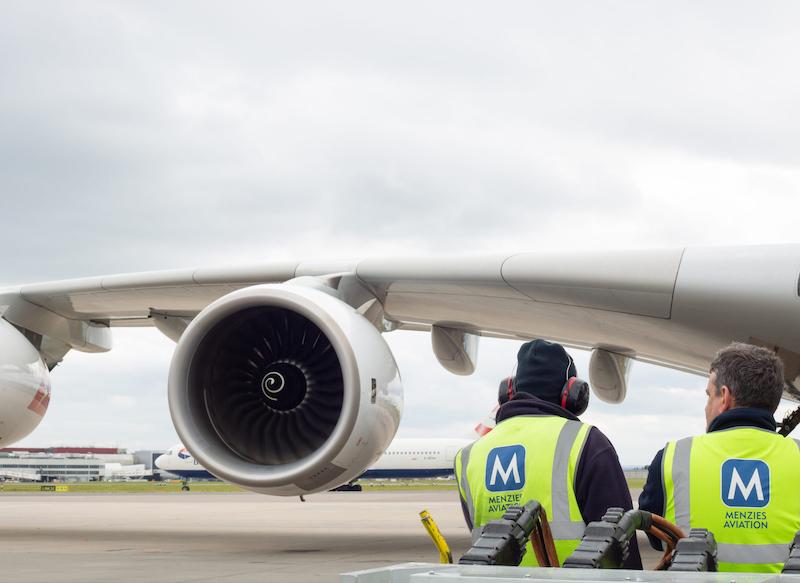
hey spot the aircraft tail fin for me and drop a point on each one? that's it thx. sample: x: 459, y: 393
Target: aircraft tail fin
x: 488, y: 423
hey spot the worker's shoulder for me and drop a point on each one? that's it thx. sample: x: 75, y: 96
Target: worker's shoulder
x: 597, y: 445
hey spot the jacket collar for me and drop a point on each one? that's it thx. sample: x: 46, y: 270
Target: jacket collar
x: 743, y: 417
x: 527, y: 404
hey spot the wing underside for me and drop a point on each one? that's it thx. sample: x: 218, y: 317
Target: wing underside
x: 672, y: 307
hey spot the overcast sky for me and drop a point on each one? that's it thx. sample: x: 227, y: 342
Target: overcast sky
x: 139, y: 136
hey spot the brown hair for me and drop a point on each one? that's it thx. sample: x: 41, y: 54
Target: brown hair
x: 752, y: 373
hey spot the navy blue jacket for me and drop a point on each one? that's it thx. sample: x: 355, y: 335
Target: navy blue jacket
x: 652, y: 496
x: 599, y: 481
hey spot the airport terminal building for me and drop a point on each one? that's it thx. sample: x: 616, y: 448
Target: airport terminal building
x: 70, y: 464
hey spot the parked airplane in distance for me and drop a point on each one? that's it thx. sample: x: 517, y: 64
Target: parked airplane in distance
x: 404, y: 458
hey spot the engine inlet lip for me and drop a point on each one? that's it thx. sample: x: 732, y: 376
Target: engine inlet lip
x: 202, y: 440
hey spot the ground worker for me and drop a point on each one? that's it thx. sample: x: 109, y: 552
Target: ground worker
x: 539, y: 450
x: 740, y: 479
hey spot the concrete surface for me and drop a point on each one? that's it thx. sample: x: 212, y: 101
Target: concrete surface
x: 218, y: 537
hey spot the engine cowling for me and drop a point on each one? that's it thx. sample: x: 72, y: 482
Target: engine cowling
x: 284, y: 390
x: 24, y: 385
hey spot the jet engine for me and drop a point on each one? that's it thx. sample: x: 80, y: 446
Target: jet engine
x: 24, y: 385
x: 284, y: 390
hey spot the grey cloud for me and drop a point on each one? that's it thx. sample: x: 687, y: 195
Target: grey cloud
x: 154, y: 139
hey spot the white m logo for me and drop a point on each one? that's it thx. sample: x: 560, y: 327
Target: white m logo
x: 738, y: 483
x: 505, y: 473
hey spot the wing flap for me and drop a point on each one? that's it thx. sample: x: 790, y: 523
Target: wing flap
x: 632, y: 282
x: 473, y: 276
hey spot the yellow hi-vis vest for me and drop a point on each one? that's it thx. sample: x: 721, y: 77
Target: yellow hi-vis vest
x: 526, y: 458
x: 742, y: 485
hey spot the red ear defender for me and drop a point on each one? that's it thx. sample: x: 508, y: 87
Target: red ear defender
x: 505, y: 390
x: 575, y: 395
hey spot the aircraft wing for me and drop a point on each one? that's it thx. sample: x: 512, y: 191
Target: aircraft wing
x: 281, y: 381
x: 674, y: 306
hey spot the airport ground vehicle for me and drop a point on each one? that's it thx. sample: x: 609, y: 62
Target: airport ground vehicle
x: 687, y: 556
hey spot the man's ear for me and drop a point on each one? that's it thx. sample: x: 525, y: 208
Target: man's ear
x: 728, y: 401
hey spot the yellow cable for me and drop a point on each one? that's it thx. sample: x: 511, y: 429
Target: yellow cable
x: 445, y: 556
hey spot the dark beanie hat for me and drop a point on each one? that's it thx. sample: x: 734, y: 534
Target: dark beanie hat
x: 542, y: 369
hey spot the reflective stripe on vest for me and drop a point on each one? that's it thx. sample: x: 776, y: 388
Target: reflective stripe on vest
x: 741, y: 485
x: 551, y: 448
x: 562, y: 484
x: 462, y: 459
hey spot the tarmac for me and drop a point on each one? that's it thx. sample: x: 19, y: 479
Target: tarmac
x: 192, y: 536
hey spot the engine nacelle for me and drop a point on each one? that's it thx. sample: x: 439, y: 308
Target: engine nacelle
x: 284, y: 389
x: 24, y: 385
